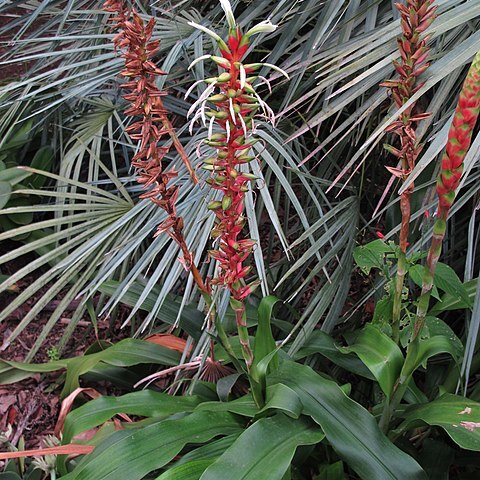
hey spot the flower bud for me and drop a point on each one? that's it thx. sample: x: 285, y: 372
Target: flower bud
x: 226, y: 202
x: 223, y: 62
x: 214, y: 205
x: 220, y: 115
x: 224, y: 77
x: 219, y: 97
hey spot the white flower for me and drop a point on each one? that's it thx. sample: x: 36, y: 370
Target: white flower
x: 262, y: 27
x: 232, y: 111
x: 278, y: 69
x: 243, y: 76
x: 206, y: 30
x: 210, y: 128
x: 227, y: 8
x: 199, y: 59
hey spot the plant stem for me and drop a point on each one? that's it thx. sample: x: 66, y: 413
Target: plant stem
x: 416, y: 16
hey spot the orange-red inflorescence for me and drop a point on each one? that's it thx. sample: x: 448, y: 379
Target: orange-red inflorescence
x: 134, y: 40
x: 416, y: 17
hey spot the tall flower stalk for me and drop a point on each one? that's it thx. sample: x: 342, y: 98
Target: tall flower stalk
x: 134, y: 40
x: 416, y: 17
x: 228, y: 107
x: 459, y: 138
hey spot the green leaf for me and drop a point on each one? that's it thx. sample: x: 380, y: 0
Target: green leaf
x: 125, y: 353
x: 282, y: 398
x: 458, y: 416
x: 146, y: 403
x: 371, y: 255
x: 9, y: 476
x: 187, y: 471
x: 20, y: 137
x: 447, y: 280
x: 382, y: 314
x: 245, y: 406
x: 13, y: 175
x: 333, y: 471
x: 436, y: 458
x: 415, y: 272
x: 135, y: 452
x: 436, y: 338
x: 190, y: 318
x: 264, y: 450
x: 21, y: 218
x: 5, y: 192
x: 210, y: 450
x: 380, y: 354
x: 42, y: 160
x: 225, y: 385
x: 322, y: 343
x: 452, y: 302
x: 350, y: 429
x: 264, y: 341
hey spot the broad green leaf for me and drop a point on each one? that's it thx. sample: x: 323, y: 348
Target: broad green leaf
x: 13, y: 175
x: 436, y: 458
x: 146, y: 403
x: 225, y: 385
x: 415, y: 272
x: 264, y: 341
x: 447, y: 280
x: 380, y: 354
x: 187, y: 471
x: 279, y: 397
x: 458, y: 416
x: 190, y: 318
x: 9, y: 476
x: 210, y: 450
x: 452, y: 302
x: 5, y: 192
x: 125, y: 353
x: 440, y: 339
x: 333, y: 471
x: 371, y: 255
x: 135, y: 452
x: 245, y: 406
x: 322, y: 343
x: 349, y: 428
x: 20, y: 136
x: 42, y: 160
x: 21, y: 218
x: 264, y: 450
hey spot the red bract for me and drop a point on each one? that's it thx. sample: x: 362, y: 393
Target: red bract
x: 459, y: 138
x: 231, y: 111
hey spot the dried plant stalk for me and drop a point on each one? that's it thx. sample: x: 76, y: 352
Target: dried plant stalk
x: 416, y: 17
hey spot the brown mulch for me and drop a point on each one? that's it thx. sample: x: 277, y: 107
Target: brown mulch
x: 30, y: 407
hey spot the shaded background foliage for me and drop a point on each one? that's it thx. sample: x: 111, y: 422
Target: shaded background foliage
x: 323, y: 186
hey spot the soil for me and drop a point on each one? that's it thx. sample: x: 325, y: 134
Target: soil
x: 30, y: 408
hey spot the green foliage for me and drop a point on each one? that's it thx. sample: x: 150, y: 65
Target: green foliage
x: 90, y: 233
